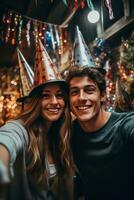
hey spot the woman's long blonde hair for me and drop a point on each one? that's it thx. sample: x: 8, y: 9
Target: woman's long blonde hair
x: 57, y: 140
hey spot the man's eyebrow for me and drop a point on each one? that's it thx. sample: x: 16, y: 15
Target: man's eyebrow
x: 90, y: 86
x: 72, y: 88
x: 86, y: 86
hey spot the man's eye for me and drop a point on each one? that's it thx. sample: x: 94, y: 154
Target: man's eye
x: 73, y: 92
x: 89, y: 90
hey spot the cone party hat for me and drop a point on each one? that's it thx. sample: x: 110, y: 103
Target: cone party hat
x: 45, y: 71
x: 82, y: 56
x: 26, y: 76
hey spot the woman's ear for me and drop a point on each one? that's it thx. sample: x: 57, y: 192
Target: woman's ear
x: 103, y: 97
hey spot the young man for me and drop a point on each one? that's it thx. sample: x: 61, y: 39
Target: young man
x: 102, y: 142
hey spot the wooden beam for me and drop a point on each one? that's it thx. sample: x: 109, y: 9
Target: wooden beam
x: 57, y: 13
x: 126, y: 5
x: 67, y: 20
x: 117, y: 26
x: 100, y: 24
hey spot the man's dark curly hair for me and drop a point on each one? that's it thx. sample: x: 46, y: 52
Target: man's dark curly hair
x: 93, y: 73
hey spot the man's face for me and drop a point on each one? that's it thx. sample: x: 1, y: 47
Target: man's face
x: 85, y: 98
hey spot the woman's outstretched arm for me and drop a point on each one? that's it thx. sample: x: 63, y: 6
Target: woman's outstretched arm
x: 4, y: 171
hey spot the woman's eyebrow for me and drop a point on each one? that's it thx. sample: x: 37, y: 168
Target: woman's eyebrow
x: 46, y: 91
x: 50, y: 91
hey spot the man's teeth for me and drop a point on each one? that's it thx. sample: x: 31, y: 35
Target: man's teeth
x: 83, y: 107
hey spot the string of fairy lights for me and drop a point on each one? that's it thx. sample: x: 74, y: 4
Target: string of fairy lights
x: 14, y: 27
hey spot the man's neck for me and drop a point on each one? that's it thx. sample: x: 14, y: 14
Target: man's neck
x: 97, y: 122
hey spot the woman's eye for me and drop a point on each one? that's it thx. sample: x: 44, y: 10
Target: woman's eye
x: 59, y: 96
x: 45, y: 96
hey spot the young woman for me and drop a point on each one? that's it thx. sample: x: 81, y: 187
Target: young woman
x: 35, y: 154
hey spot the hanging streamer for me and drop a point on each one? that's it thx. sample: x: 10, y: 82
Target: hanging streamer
x: 19, y: 29
x: 28, y: 32
x: 57, y: 36
x: 110, y: 10
x: 7, y: 22
x: 14, y: 29
x: 13, y: 24
x: 90, y: 4
x: 76, y: 4
x: 60, y: 42
x: 52, y: 36
x: 35, y: 32
x: 82, y: 3
x: 40, y: 30
x: 65, y: 2
x: 44, y: 34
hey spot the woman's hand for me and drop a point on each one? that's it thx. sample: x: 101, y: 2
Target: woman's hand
x: 4, y: 172
x: 4, y: 164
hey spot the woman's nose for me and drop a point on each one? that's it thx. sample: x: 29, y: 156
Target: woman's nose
x: 54, y: 100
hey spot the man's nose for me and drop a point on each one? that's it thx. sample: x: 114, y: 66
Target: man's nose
x: 82, y: 95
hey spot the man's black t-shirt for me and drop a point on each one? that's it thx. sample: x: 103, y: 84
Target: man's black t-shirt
x: 105, y: 158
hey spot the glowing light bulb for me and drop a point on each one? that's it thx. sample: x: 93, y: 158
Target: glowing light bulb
x: 93, y: 16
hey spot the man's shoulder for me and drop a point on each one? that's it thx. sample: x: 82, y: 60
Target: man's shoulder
x: 123, y: 115
x: 128, y: 118
x: 124, y: 120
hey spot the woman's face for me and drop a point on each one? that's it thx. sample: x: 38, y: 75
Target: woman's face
x: 52, y: 102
